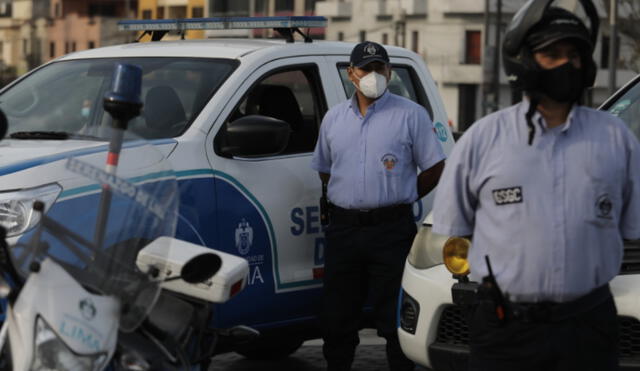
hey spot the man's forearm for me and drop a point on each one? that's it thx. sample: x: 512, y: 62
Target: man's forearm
x: 428, y: 179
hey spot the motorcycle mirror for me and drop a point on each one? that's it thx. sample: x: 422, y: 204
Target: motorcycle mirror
x: 201, y: 268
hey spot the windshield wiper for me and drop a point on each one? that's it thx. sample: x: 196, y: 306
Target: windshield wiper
x: 60, y: 135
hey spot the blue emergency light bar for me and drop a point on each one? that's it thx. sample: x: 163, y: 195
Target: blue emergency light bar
x: 221, y: 23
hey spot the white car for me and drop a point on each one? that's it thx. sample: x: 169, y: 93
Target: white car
x: 433, y: 331
x: 221, y: 110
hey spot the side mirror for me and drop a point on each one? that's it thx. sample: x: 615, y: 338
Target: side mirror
x: 201, y: 268
x: 256, y: 135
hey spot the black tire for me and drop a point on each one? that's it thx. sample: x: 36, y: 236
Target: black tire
x: 269, y: 349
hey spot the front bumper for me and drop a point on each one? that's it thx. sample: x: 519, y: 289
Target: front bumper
x: 441, y: 336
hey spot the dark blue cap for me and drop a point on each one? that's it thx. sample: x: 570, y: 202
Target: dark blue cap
x: 126, y: 84
x: 367, y: 52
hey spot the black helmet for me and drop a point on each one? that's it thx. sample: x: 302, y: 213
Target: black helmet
x: 538, y: 25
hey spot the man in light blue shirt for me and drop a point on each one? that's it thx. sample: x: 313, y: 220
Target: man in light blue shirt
x: 368, y: 151
x: 547, y: 189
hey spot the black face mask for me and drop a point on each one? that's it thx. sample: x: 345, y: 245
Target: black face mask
x: 562, y: 84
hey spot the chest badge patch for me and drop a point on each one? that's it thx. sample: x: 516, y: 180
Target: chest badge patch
x: 604, y: 207
x: 505, y: 196
x: 389, y: 161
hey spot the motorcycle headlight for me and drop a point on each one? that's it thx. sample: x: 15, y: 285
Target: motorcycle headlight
x: 16, y: 208
x: 53, y: 354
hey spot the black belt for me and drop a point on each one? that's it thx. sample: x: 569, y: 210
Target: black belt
x: 552, y: 311
x: 380, y: 215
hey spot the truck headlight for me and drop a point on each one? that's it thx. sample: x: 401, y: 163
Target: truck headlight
x: 426, y: 250
x: 16, y: 207
x: 51, y: 353
x: 454, y: 254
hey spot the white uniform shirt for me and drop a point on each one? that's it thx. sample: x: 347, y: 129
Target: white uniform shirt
x: 550, y: 216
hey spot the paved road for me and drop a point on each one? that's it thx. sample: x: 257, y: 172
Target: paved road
x: 370, y: 356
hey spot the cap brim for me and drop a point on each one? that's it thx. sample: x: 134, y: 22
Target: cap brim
x: 371, y: 59
x: 563, y: 35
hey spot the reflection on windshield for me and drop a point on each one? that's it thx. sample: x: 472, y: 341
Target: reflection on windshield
x: 627, y: 108
x: 66, y: 96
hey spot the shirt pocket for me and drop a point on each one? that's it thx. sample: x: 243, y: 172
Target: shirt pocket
x: 393, y: 159
x: 605, y: 204
x: 604, y: 197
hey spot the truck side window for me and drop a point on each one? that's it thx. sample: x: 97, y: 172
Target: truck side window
x: 293, y: 96
x: 404, y: 82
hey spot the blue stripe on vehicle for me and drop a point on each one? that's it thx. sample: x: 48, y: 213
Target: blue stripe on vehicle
x: 79, y: 152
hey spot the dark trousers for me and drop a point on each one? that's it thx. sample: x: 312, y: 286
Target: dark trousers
x: 587, y: 341
x: 362, y: 260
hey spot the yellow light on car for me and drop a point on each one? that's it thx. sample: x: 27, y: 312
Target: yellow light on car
x: 454, y: 254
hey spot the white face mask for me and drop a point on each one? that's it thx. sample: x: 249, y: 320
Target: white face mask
x: 372, y: 85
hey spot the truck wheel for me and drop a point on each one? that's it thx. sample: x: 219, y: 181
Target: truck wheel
x: 269, y: 349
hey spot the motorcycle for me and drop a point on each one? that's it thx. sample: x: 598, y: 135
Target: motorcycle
x: 99, y: 283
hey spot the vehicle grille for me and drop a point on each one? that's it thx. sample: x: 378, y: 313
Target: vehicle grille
x: 453, y: 330
x: 631, y: 258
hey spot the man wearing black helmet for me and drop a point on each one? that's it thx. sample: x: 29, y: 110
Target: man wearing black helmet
x: 547, y: 189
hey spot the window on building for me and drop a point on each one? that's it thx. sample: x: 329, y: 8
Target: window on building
x: 57, y: 10
x: 5, y: 9
x: 177, y: 12
x: 261, y: 6
x: 229, y: 8
x: 467, y: 96
x: 414, y: 41
x: 91, y: 45
x: 473, y: 47
x: 73, y: 46
x: 385, y: 38
x: 197, y: 12
x: 604, y: 52
x: 310, y: 5
x: 102, y: 10
x: 340, y: 36
x: 52, y: 49
x: 146, y: 14
x: 160, y: 12
x: 66, y: 47
x: 294, y: 96
x: 363, y: 35
x: 25, y: 46
x: 284, y: 5
x: 1, y: 49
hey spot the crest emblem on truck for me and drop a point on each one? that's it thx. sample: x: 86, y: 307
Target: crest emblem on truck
x: 244, y: 237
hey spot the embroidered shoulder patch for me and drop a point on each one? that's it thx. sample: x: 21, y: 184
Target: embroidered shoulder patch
x: 507, y: 196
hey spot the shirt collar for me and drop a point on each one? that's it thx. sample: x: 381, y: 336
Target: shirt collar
x: 537, y: 117
x: 376, y: 105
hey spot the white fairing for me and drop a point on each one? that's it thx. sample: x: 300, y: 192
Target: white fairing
x: 86, y: 323
x: 174, y: 254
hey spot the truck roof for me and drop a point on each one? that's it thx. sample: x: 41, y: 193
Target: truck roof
x: 223, y: 48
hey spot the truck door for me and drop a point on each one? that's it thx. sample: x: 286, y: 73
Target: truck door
x: 268, y: 209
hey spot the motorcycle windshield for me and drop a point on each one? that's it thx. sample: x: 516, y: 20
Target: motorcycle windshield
x: 103, y: 216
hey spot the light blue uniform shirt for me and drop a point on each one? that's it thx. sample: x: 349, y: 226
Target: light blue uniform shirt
x: 551, y: 216
x: 373, y: 159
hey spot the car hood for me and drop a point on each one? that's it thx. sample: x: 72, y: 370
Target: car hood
x: 32, y: 156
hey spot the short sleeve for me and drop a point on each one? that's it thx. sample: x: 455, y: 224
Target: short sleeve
x: 321, y: 161
x: 455, y: 202
x: 629, y: 226
x: 427, y: 150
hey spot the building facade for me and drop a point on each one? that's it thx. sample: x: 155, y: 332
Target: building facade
x: 168, y: 9
x: 457, y: 43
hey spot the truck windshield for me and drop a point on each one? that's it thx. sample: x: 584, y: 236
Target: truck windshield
x: 66, y: 97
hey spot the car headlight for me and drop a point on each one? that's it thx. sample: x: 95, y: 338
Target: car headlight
x: 53, y: 354
x: 454, y: 254
x: 16, y: 208
x: 426, y: 250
